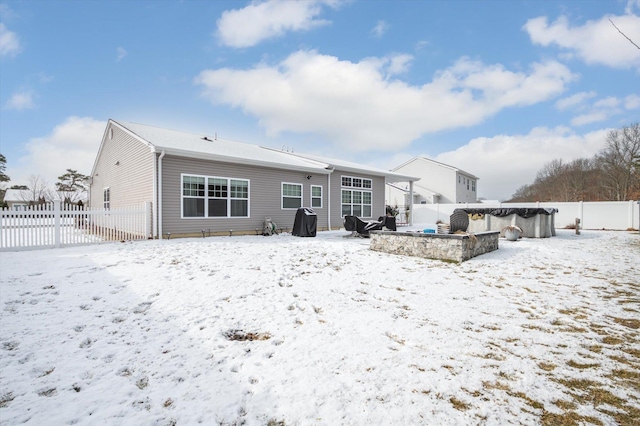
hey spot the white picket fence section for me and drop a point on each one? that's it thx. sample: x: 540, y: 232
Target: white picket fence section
x: 615, y: 215
x: 56, y: 225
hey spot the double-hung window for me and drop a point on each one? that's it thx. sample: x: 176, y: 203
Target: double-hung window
x: 106, y: 198
x: 356, y: 196
x: 205, y: 196
x: 291, y: 195
x: 316, y: 196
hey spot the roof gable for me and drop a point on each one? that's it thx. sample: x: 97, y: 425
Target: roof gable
x: 437, y: 163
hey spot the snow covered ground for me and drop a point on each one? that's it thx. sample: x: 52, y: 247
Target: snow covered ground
x: 321, y: 331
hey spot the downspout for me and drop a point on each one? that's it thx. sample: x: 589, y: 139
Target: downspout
x: 329, y: 198
x: 411, y: 203
x: 155, y: 193
x: 160, y: 194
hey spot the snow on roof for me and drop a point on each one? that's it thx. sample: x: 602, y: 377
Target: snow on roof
x: 355, y: 167
x: 13, y: 195
x: 200, y: 146
x: 207, y: 147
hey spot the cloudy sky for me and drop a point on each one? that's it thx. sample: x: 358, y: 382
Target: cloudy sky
x: 496, y: 88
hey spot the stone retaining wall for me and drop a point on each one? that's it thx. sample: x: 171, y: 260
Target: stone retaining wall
x: 453, y: 247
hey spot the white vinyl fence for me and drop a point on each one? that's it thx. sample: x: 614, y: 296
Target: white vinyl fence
x: 56, y: 225
x: 615, y: 215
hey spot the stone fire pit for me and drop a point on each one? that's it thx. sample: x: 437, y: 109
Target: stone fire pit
x: 452, y: 247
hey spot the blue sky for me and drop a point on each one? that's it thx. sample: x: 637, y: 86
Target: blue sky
x: 496, y: 88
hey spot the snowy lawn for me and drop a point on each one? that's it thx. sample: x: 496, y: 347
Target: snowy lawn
x: 321, y: 331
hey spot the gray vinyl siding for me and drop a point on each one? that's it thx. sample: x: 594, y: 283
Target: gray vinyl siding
x: 131, y: 181
x: 264, y: 195
x: 377, y: 197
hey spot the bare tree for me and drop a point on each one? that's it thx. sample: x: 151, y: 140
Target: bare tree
x: 619, y: 162
x: 37, y: 192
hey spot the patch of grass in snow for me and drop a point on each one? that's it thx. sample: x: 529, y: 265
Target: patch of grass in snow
x: 531, y: 402
x: 496, y: 385
x: 580, y: 366
x: 570, y: 418
x: 458, y: 404
x: 48, y: 392
x: 536, y: 327
x: 565, y: 405
x: 240, y: 335
x: 395, y: 338
x: 592, y: 393
x: 595, y: 348
x: 632, y: 351
x: 6, y: 398
x: 576, y: 313
x: 612, y: 340
x: 574, y: 329
x: 274, y: 422
x: 624, y: 360
x: 630, y: 378
x: 547, y: 366
x: 628, y: 322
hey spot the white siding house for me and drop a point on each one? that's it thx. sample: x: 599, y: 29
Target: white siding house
x: 16, y: 199
x: 439, y: 183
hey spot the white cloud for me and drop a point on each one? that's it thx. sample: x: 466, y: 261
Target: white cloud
x: 595, y: 42
x: 574, y: 101
x: 380, y: 29
x: 71, y: 145
x: 631, y: 4
x: 506, y: 162
x: 600, y: 110
x: 421, y: 45
x: 593, y: 116
x: 9, y: 42
x: 357, y: 106
x: 608, y: 102
x: 121, y: 53
x: 399, y: 64
x: 264, y: 20
x: 632, y: 101
x: 20, y: 100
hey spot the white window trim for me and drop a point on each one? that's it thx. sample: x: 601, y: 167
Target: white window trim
x: 357, y: 188
x: 206, y: 197
x: 312, y: 197
x: 362, y: 179
x: 106, y: 204
x: 282, y: 184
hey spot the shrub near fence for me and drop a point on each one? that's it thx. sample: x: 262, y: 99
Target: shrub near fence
x: 615, y: 215
x: 56, y: 225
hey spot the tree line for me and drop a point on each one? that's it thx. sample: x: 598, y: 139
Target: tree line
x: 613, y: 174
x: 71, y: 187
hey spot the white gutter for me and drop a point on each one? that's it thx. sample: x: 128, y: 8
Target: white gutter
x: 160, y: 194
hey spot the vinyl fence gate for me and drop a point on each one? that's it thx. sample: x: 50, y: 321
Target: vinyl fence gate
x: 55, y: 225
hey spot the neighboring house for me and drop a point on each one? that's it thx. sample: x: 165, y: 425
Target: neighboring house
x: 19, y: 199
x: 15, y: 199
x: 439, y: 183
x: 197, y: 183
